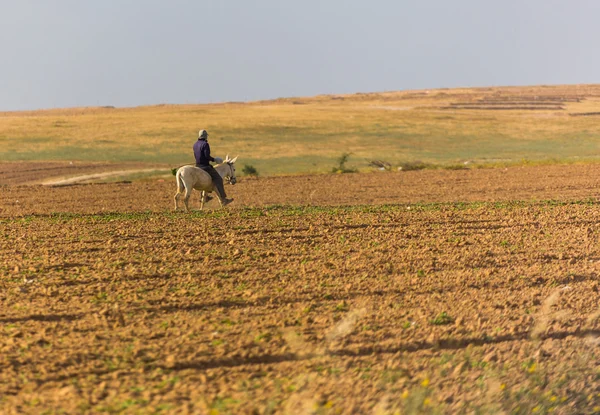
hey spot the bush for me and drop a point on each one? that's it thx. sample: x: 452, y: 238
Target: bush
x: 249, y: 170
x: 413, y: 165
x: 380, y: 165
x: 456, y: 167
x: 341, y: 167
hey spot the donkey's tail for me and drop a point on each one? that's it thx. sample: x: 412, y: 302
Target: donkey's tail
x: 180, y: 185
x: 176, y: 169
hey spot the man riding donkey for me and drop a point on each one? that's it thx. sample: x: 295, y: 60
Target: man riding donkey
x: 203, y: 159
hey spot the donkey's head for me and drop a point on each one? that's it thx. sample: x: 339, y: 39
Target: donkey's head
x: 230, y: 173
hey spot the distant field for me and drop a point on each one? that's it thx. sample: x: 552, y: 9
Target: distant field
x: 484, y: 126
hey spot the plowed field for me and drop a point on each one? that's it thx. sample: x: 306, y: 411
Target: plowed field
x: 424, y: 292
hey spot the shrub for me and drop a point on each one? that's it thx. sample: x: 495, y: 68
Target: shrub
x: 341, y: 167
x: 249, y: 170
x: 413, y: 165
x: 380, y: 164
x: 456, y: 167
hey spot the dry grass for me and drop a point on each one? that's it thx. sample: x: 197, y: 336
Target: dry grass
x: 308, y: 134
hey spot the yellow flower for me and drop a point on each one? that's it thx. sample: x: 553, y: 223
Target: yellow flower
x: 503, y: 386
x: 536, y: 409
x: 553, y: 398
x: 425, y: 383
x: 404, y: 394
x: 426, y: 402
x: 531, y: 368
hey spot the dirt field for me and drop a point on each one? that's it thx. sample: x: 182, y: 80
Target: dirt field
x: 568, y: 182
x: 422, y: 292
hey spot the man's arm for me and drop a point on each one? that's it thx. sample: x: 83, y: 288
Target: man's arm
x: 207, y: 152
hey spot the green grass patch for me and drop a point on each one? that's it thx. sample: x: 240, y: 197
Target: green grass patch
x: 290, y: 210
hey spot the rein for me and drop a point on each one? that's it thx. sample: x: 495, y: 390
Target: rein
x: 230, y: 178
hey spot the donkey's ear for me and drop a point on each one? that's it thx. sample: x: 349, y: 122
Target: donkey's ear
x: 233, y: 160
x: 227, y: 158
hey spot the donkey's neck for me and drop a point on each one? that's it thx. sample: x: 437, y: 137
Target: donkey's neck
x: 221, y: 169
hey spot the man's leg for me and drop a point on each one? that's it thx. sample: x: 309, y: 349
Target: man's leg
x: 216, y: 179
x: 218, y: 182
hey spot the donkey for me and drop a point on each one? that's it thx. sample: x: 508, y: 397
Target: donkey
x: 192, y: 177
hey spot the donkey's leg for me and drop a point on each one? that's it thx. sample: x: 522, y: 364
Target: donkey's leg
x: 186, y: 199
x: 202, y: 199
x: 219, y: 197
x: 180, y: 188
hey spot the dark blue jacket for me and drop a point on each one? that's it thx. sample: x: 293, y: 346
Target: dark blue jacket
x: 202, y: 153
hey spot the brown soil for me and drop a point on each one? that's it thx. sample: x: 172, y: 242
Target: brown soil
x: 584, y: 114
x: 455, y: 308
x: 517, y: 183
x: 499, y: 108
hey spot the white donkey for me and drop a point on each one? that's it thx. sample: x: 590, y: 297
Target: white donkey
x: 192, y: 177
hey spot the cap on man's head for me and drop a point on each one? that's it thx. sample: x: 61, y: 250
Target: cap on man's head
x: 202, y: 134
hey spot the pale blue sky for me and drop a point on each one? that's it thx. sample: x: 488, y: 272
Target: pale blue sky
x: 66, y: 53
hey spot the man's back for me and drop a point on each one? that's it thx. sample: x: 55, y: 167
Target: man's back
x: 202, y: 153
